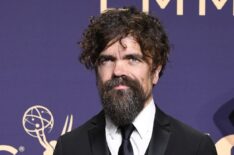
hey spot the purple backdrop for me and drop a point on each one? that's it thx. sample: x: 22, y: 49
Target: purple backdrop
x: 39, y: 66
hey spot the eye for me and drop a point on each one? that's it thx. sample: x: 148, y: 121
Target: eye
x: 102, y: 60
x: 134, y: 59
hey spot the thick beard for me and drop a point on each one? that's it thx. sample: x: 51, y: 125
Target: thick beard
x: 122, y: 106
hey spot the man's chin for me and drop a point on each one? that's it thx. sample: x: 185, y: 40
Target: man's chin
x: 121, y: 118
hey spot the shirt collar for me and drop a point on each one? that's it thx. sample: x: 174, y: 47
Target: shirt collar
x: 111, y: 128
x: 143, y: 123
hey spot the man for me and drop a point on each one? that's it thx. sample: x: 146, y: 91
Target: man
x: 128, y: 50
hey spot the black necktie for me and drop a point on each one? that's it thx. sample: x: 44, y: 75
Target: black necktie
x: 126, y: 147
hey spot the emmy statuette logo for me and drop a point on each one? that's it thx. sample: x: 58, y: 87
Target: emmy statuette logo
x: 37, y: 122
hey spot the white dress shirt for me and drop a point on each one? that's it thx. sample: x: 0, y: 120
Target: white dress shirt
x: 140, y: 137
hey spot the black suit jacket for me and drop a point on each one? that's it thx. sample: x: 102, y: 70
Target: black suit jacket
x: 170, y: 137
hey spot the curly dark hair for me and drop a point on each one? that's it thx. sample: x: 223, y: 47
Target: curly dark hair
x: 116, y: 24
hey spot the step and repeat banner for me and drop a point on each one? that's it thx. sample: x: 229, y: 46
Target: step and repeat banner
x: 45, y: 91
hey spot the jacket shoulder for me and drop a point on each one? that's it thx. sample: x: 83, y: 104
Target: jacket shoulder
x: 187, y: 139
x: 82, y: 130
x: 77, y: 141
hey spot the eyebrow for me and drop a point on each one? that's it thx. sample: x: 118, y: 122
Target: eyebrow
x: 138, y: 56
x: 104, y: 57
x: 127, y: 56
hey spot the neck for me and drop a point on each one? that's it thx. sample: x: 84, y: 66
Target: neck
x: 148, y: 100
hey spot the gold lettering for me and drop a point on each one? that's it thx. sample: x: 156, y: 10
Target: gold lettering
x: 219, y: 3
x: 180, y: 7
x: 202, y: 7
x: 103, y: 4
x: 145, y: 6
x: 162, y: 3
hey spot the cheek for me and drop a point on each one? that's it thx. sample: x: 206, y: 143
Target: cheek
x: 147, y: 80
x: 144, y: 75
x: 104, y: 76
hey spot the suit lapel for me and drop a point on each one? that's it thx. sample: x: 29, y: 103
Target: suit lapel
x: 97, y: 136
x: 161, y: 134
x: 158, y: 143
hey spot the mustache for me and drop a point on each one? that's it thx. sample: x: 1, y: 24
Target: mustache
x: 123, y: 80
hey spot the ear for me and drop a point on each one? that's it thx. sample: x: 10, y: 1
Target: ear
x: 156, y: 75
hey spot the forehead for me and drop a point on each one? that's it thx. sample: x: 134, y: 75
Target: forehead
x: 127, y: 45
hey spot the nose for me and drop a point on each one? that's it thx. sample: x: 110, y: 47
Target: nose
x: 119, y: 69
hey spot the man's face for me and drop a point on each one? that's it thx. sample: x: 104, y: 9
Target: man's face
x: 125, y: 80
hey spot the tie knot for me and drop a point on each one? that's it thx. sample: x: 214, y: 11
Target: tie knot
x: 127, y: 130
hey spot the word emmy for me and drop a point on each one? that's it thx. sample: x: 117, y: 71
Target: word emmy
x: 219, y: 4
